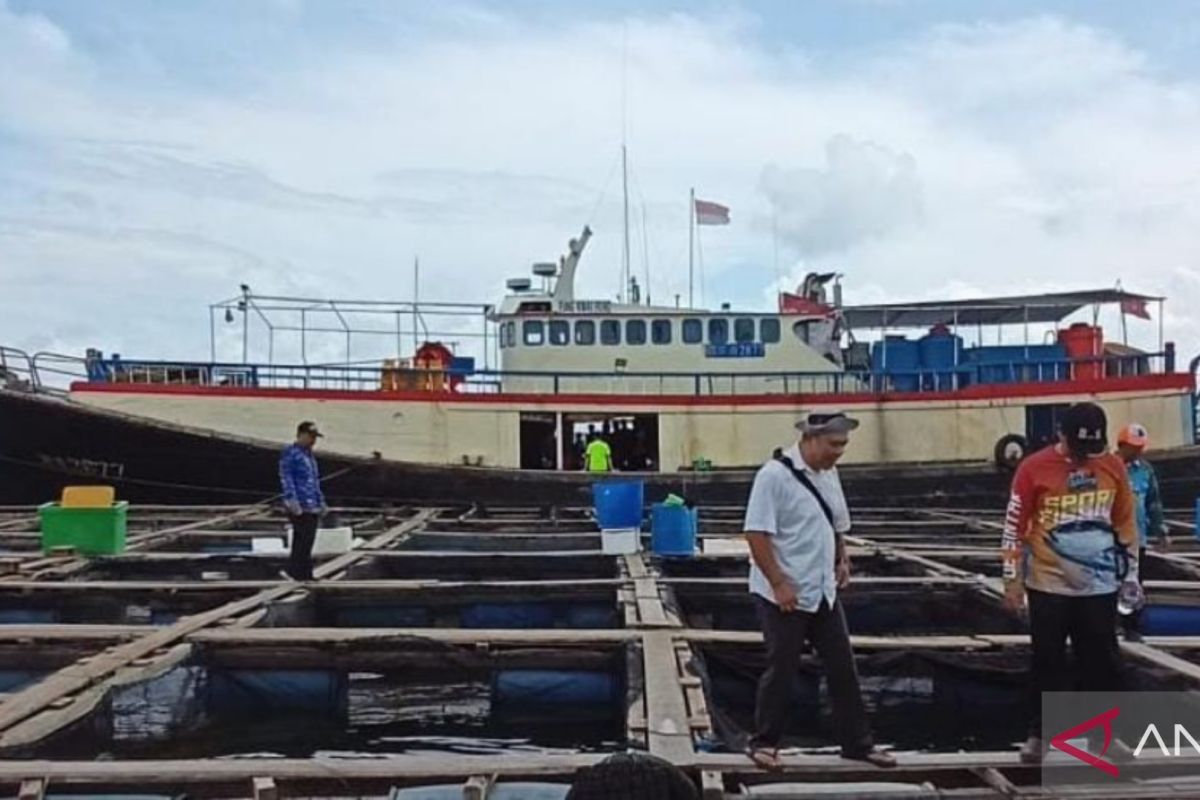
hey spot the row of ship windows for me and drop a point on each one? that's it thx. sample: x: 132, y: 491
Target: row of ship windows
x: 536, y: 332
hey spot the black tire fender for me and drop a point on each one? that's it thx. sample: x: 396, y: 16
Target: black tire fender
x: 1009, y: 451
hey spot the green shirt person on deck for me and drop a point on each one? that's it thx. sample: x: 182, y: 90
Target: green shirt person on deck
x: 598, y: 456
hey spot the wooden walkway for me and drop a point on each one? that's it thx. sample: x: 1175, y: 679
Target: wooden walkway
x: 444, y: 558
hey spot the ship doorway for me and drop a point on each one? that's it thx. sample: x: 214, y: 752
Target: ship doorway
x: 539, y: 441
x: 632, y: 437
x: 1041, y: 424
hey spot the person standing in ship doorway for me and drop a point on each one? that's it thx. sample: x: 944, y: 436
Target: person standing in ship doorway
x: 302, y: 498
x: 795, y: 521
x: 1131, y: 443
x: 1069, y: 545
x: 597, y: 457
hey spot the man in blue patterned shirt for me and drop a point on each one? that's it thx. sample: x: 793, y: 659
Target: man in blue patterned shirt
x: 302, y: 498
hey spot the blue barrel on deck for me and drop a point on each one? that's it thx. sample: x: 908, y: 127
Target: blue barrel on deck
x: 673, y: 530
x: 529, y: 689
x: 900, y: 359
x: 1170, y: 620
x: 939, y: 351
x: 618, y: 504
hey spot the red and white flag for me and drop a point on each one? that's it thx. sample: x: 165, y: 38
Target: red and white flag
x: 1134, y: 306
x: 711, y: 213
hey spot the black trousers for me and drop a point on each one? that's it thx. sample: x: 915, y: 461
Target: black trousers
x: 1091, y: 625
x: 304, y: 533
x: 785, y: 634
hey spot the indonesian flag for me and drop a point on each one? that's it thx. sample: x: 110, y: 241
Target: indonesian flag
x: 711, y: 213
x: 1134, y: 306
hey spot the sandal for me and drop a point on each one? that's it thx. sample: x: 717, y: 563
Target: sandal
x: 765, y: 757
x: 878, y: 758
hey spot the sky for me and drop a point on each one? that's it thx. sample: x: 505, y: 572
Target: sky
x: 157, y: 154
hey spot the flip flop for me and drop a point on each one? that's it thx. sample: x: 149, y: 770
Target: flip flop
x: 765, y: 757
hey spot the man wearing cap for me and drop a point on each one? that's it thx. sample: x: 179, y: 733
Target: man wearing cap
x: 795, y: 520
x: 1069, y: 542
x: 1131, y: 443
x: 302, y: 498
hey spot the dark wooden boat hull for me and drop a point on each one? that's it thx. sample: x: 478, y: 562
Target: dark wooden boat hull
x: 47, y: 443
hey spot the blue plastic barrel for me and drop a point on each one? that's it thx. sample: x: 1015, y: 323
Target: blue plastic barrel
x: 554, y: 689
x: 1171, y: 620
x: 900, y: 359
x: 618, y: 503
x: 939, y: 351
x: 673, y: 530
x: 508, y: 615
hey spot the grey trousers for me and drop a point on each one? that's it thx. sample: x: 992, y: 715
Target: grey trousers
x: 785, y: 634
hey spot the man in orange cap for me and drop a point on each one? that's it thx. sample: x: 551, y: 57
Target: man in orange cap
x: 1131, y: 443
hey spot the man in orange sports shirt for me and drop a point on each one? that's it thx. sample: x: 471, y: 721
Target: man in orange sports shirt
x: 1070, y: 540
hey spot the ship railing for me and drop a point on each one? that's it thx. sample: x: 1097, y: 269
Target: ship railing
x: 17, y: 370
x: 57, y: 371
x: 377, y: 377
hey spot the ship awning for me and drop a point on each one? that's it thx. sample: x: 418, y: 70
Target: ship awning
x: 1035, y: 308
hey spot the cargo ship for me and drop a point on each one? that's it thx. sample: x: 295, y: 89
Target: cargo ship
x: 691, y: 399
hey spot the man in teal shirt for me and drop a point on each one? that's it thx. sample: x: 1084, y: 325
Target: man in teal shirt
x: 1131, y: 442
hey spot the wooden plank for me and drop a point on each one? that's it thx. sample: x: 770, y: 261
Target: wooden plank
x: 635, y: 565
x: 75, y: 678
x: 1149, y: 654
x: 668, y: 731
x: 993, y: 778
x: 350, y: 637
x: 864, y: 642
x: 412, y: 768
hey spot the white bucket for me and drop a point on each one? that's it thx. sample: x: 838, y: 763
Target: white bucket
x: 333, y: 541
x: 269, y: 544
x: 620, y: 541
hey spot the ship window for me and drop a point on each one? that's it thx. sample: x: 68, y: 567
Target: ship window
x: 610, y: 332
x: 532, y: 331
x: 585, y: 332
x: 508, y: 334
x: 718, y: 331
x: 693, y: 331
x: 769, y: 330
x: 635, y: 331
x: 743, y: 329
x: 560, y: 332
x: 660, y: 331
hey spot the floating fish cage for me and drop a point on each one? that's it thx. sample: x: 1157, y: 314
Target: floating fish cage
x: 498, y: 652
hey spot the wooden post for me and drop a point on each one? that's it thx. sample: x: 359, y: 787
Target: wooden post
x: 265, y: 789
x: 32, y: 789
x: 478, y: 787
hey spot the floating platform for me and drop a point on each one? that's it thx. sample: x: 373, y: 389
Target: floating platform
x: 462, y: 651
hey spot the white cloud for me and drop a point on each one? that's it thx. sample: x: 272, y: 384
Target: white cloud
x: 863, y: 192
x: 1001, y: 157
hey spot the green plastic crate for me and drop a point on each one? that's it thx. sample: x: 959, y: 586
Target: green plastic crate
x: 90, y: 531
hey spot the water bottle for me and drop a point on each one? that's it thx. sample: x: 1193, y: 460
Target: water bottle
x: 1130, y: 597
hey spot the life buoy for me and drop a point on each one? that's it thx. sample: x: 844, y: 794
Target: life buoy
x: 1009, y: 451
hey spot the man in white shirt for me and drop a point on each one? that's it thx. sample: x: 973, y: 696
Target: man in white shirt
x: 795, y: 520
